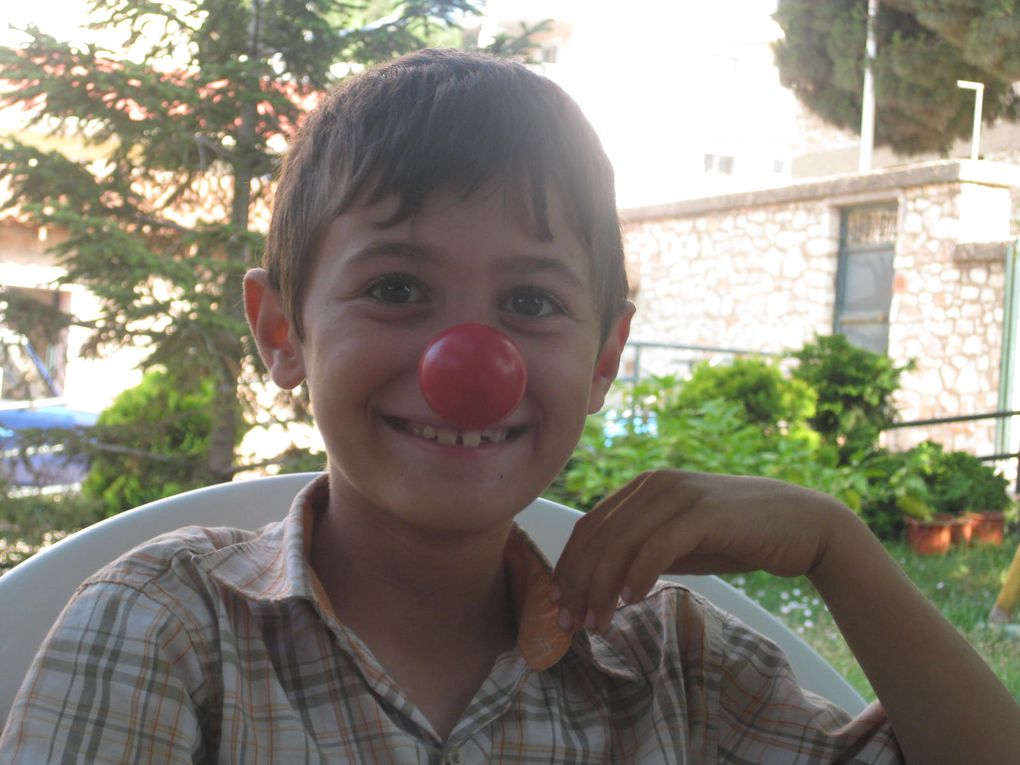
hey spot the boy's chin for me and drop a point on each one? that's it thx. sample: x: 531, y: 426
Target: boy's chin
x: 443, y: 507
x: 460, y: 512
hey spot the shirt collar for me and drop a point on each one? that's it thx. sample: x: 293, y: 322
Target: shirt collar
x: 273, y: 565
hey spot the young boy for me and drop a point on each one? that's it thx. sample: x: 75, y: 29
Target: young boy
x: 396, y: 615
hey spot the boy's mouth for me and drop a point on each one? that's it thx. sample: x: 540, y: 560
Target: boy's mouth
x: 470, y: 439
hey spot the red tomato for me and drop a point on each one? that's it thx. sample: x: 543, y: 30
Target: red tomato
x: 472, y: 375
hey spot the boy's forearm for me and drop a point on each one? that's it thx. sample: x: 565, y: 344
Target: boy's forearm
x: 943, y: 701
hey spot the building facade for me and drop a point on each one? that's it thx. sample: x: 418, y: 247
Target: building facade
x: 914, y: 261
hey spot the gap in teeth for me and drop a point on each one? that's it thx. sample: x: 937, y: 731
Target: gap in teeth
x: 452, y: 437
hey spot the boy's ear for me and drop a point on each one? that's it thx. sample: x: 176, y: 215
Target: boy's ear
x: 278, y: 346
x: 608, y: 362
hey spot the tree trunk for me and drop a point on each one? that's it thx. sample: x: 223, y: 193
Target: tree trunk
x: 225, y: 416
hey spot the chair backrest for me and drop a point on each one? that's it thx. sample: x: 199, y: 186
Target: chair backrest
x: 33, y: 593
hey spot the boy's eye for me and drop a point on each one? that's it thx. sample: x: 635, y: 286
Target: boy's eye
x: 396, y: 289
x: 532, y: 302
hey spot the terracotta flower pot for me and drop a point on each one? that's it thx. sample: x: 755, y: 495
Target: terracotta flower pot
x: 988, y: 527
x: 962, y: 528
x: 929, y: 537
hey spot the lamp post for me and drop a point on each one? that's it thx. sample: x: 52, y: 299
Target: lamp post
x: 979, y: 95
x: 868, y: 96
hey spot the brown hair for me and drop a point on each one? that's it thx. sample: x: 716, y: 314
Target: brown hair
x: 444, y: 120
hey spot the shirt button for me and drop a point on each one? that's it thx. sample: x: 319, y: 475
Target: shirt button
x: 453, y: 757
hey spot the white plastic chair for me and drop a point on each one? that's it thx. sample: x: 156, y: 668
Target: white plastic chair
x: 33, y: 593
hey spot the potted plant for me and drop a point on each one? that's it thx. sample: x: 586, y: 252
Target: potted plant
x: 944, y: 497
x: 971, y: 490
x: 948, y: 476
x: 927, y: 532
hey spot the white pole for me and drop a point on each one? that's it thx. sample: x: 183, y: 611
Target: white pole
x: 868, y: 98
x: 979, y: 97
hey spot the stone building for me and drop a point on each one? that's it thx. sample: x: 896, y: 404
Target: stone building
x: 27, y: 265
x: 915, y: 261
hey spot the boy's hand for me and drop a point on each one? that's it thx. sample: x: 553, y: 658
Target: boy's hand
x: 678, y: 522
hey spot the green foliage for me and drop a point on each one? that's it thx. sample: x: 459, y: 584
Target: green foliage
x: 302, y: 460
x: 27, y: 523
x: 895, y: 488
x: 922, y: 48
x: 854, y: 388
x: 959, y: 482
x: 968, y: 484
x: 154, y: 442
x: 748, y: 418
x: 768, y: 398
x: 714, y: 437
x: 924, y: 482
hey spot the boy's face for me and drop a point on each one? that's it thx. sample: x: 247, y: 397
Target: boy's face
x: 375, y: 298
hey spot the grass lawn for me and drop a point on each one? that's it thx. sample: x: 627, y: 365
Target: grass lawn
x: 962, y: 584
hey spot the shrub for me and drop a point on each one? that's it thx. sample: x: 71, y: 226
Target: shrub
x: 895, y: 488
x: 715, y: 437
x: 854, y: 388
x: 159, y: 434
x: 301, y: 460
x: 27, y: 523
x: 768, y: 398
x: 967, y: 483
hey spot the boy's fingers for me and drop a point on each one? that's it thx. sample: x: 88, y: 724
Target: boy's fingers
x: 594, y: 551
x: 657, y: 557
x: 585, y: 557
x: 591, y: 571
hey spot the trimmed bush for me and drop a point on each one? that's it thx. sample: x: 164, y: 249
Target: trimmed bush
x: 854, y: 388
x: 153, y: 441
x: 768, y: 398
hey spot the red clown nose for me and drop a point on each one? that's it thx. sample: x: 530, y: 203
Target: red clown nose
x: 472, y: 375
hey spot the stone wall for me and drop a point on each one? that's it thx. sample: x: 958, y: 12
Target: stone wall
x: 757, y: 271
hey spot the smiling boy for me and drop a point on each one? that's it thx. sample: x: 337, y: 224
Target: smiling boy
x: 397, y: 615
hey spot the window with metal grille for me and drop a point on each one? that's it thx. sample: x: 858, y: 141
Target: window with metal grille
x: 864, y: 279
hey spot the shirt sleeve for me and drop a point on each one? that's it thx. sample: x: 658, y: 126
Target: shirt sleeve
x: 114, y: 682
x: 766, y: 716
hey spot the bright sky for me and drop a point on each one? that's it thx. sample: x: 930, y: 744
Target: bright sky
x: 667, y: 82
x: 60, y: 18
x: 663, y: 81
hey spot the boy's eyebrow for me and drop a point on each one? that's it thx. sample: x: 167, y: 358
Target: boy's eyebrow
x: 519, y: 263
x: 390, y: 249
x: 540, y: 263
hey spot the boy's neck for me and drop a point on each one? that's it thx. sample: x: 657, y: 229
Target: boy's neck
x: 373, y: 566
x: 435, y: 609
x: 383, y: 563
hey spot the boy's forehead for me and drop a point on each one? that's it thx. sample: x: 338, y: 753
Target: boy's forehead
x: 497, y: 208
x: 449, y: 227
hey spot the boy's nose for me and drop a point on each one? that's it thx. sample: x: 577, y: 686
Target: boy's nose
x: 472, y: 375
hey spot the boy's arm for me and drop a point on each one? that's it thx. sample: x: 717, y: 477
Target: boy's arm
x: 942, y: 701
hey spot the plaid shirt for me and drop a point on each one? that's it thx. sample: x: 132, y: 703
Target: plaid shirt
x: 217, y: 645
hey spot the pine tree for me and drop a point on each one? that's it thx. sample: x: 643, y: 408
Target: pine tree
x: 190, y: 116
x: 923, y: 48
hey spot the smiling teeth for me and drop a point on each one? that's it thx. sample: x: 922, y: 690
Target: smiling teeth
x: 470, y: 439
